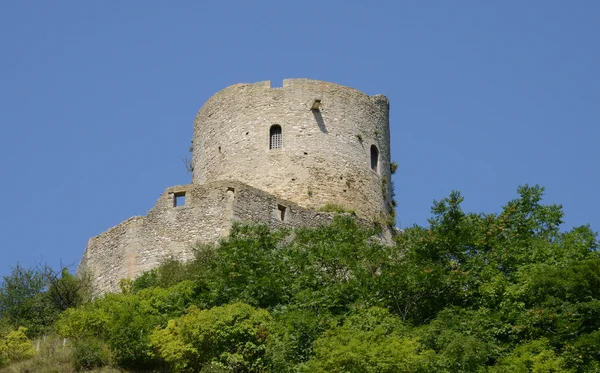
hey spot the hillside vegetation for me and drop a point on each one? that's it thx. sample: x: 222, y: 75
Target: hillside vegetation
x: 507, y: 292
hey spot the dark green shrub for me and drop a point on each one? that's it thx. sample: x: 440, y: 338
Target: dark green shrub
x: 89, y: 353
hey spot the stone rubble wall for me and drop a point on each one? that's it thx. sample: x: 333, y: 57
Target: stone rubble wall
x: 141, y: 243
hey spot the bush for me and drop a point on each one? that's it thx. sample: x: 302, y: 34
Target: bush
x: 292, y: 336
x: 370, y: 341
x: 336, y: 209
x: 15, y: 346
x: 89, y: 353
x: 535, y: 356
x: 231, y: 338
x: 125, y: 322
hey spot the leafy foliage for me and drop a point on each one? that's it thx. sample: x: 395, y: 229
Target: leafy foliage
x: 125, y: 321
x: 471, y: 292
x: 89, y: 353
x: 369, y: 341
x: 231, y: 337
x: 34, y: 297
x: 15, y: 346
x: 21, y: 300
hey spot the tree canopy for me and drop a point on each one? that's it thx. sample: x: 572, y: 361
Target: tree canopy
x: 471, y: 292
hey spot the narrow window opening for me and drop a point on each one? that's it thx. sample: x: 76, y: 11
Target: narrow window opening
x: 230, y: 194
x: 316, y: 104
x: 179, y: 199
x: 374, y: 158
x: 281, y: 209
x: 219, y: 149
x: 275, y: 137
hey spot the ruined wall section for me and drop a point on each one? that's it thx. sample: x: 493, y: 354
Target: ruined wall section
x: 326, y: 153
x: 112, y: 255
x: 140, y: 243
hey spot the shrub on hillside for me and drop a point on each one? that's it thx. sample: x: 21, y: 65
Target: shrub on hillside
x: 374, y: 341
x: 15, y: 346
x: 89, y: 353
x: 230, y: 338
x: 125, y: 321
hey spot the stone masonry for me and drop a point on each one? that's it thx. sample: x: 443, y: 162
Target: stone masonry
x: 325, y: 153
x: 332, y: 148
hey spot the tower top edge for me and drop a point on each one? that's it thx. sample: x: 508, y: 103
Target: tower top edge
x: 294, y: 84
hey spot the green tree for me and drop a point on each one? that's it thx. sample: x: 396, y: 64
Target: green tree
x: 246, y: 268
x: 22, y: 301
x: 370, y: 341
x: 330, y: 269
x: 531, y: 357
x: 64, y: 289
x: 125, y: 321
x: 231, y: 337
x: 292, y: 335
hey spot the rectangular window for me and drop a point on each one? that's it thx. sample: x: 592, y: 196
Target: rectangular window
x: 179, y: 199
x: 276, y: 139
x: 281, y: 210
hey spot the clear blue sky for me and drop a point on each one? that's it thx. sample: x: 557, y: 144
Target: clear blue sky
x: 97, y: 100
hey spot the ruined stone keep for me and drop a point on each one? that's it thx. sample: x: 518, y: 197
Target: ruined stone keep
x: 262, y: 155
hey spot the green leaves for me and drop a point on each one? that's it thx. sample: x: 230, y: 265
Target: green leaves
x: 472, y: 292
x: 535, y: 356
x: 15, y: 346
x: 231, y: 337
x: 125, y: 321
x: 370, y: 341
x: 20, y: 298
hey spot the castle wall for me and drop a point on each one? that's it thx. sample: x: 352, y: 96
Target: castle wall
x: 325, y: 156
x: 140, y: 243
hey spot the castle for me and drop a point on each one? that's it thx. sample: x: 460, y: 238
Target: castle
x: 263, y: 155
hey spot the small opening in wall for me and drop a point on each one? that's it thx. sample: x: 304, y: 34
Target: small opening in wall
x: 305, y: 153
x: 275, y: 137
x: 179, y: 199
x: 374, y: 158
x: 316, y: 104
x: 281, y: 209
x: 231, y: 189
x: 219, y: 149
x: 247, y: 133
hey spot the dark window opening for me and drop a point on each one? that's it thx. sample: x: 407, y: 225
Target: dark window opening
x: 179, y: 199
x: 275, y: 137
x: 281, y: 209
x: 374, y: 158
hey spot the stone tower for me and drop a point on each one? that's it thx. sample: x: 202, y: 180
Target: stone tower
x: 263, y: 155
x: 335, y: 151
